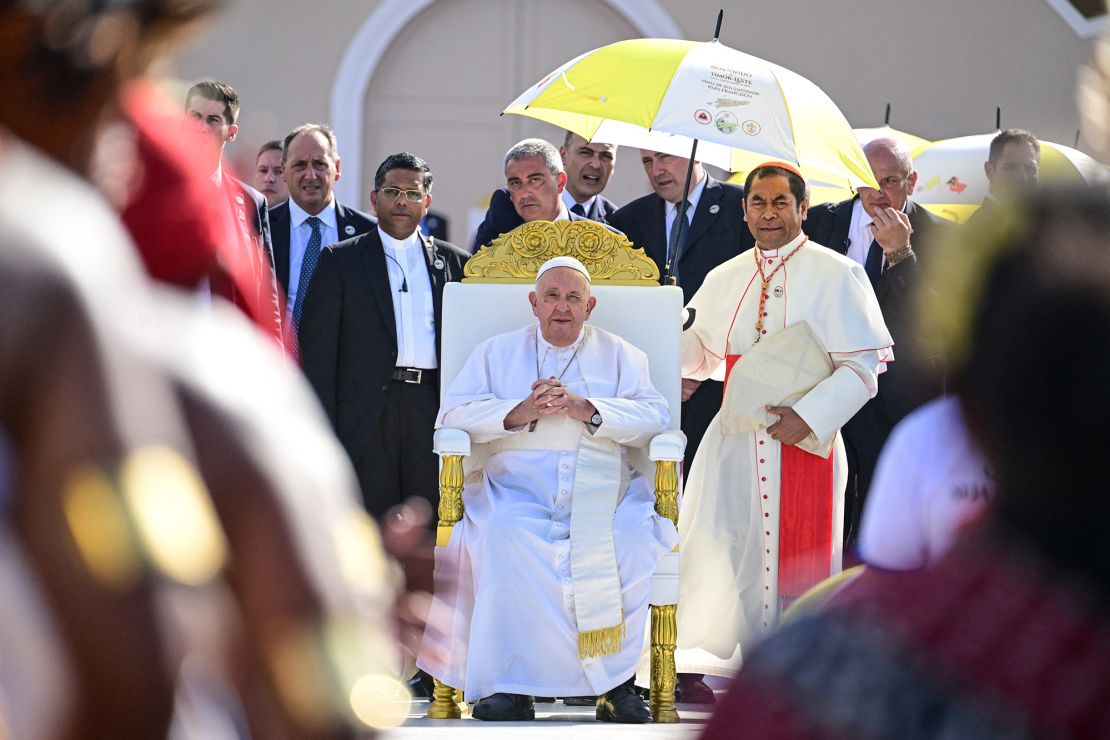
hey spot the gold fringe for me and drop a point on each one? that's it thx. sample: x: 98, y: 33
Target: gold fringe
x: 604, y: 641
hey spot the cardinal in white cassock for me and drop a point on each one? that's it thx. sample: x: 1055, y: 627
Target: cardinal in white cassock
x: 761, y: 517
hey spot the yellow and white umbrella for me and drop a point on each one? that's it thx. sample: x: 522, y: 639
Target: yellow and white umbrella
x: 704, y: 91
x: 951, y: 182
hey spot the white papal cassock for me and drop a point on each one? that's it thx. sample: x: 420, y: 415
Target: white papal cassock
x: 752, y: 504
x: 503, y: 619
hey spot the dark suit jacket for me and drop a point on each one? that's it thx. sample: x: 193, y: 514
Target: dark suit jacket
x: 501, y: 218
x: 348, y: 332
x: 349, y: 222
x: 917, y: 373
x: 991, y: 212
x: 717, y: 233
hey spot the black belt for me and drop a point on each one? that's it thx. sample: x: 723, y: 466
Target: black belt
x: 415, y: 375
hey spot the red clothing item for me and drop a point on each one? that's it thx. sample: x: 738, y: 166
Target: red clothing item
x: 186, y: 228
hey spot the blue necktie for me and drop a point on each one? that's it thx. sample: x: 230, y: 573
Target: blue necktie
x: 308, y: 266
x: 577, y: 208
x: 672, y: 241
x: 874, y: 264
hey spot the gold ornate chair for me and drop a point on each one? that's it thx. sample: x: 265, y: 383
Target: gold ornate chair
x: 491, y: 299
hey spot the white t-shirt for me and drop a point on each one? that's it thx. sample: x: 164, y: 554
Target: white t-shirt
x: 930, y: 480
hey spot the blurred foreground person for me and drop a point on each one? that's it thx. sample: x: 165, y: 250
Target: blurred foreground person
x: 1008, y: 635
x: 266, y: 576
x: 83, y: 651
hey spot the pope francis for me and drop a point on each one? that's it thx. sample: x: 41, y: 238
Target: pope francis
x: 545, y: 581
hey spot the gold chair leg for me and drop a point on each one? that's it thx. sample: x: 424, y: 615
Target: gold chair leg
x: 664, y: 625
x: 444, y: 704
x: 450, y: 497
x: 664, y: 636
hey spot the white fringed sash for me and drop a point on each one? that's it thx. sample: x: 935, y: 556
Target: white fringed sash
x: 599, y: 480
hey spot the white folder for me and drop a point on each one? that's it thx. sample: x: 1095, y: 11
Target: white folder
x: 777, y: 371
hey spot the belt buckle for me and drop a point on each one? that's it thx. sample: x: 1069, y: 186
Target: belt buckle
x: 419, y: 375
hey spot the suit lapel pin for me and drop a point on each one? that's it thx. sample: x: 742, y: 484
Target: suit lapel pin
x: 714, y: 208
x: 349, y: 230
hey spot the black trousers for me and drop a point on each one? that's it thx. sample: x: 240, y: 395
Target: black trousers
x: 398, y: 462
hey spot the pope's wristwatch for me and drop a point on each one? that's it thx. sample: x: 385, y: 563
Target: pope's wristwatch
x: 595, y: 420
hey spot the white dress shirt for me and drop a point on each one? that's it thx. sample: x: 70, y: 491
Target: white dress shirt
x: 931, y: 480
x: 299, y: 234
x: 672, y: 209
x: 570, y: 202
x: 413, y: 312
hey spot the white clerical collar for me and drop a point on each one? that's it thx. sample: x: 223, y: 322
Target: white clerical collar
x: 398, y: 244
x: 298, y: 215
x: 564, y: 214
x: 547, y: 346
x: 692, y: 198
x: 217, y: 176
x: 569, y: 201
x: 785, y: 248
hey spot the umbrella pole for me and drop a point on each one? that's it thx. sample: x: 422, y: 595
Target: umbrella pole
x: 671, y: 273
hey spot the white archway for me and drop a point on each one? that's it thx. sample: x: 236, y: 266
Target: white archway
x: 363, y: 54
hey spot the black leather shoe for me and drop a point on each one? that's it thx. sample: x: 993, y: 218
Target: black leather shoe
x: 623, y: 704
x: 421, y: 685
x: 580, y: 701
x: 504, y: 708
x: 692, y: 689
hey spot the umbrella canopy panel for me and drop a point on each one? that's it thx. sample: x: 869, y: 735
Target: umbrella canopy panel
x: 708, y: 92
x: 951, y: 181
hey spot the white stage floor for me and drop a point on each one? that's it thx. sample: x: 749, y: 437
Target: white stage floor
x: 552, y: 720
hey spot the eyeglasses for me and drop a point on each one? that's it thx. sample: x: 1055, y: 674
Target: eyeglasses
x: 413, y: 196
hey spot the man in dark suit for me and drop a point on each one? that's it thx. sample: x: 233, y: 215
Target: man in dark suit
x: 246, y: 253
x: 716, y: 233
x: 311, y: 219
x: 588, y: 168
x: 888, y: 234
x: 370, y: 338
x: 1013, y: 165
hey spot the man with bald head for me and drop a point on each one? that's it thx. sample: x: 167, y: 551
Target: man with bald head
x: 546, y: 578
x: 887, y: 233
